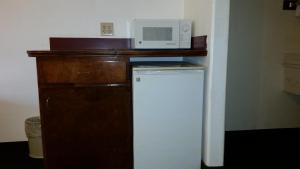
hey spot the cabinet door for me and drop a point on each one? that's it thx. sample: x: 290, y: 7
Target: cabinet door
x: 87, y: 127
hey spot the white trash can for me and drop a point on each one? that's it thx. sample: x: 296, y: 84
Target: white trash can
x: 33, y: 133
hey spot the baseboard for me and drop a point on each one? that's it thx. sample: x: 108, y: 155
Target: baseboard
x: 203, y: 166
x: 277, y: 134
x: 13, y: 150
x: 264, y: 130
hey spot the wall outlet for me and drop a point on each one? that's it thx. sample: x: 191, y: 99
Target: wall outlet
x: 289, y: 4
x: 107, y: 28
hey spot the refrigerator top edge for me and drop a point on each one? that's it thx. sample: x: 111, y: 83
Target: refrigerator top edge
x: 159, y: 68
x: 145, y: 66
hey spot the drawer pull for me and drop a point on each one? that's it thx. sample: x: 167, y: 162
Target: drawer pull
x: 47, y: 101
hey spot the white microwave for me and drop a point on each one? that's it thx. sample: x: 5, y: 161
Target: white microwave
x: 161, y: 33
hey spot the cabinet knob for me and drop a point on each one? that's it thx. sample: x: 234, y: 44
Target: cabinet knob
x: 47, y: 101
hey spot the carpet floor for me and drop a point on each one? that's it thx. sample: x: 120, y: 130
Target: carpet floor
x: 255, y: 149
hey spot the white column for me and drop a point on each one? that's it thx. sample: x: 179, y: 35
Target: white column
x: 214, y: 120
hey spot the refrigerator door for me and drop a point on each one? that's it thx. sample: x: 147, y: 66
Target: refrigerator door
x: 167, y: 107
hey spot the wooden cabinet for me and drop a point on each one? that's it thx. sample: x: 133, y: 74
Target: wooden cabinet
x: 86, y: 106
x: 87, y: 127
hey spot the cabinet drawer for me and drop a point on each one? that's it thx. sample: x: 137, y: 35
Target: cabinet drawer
x: 81, y: 71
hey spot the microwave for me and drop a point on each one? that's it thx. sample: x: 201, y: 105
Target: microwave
x: 161, y: 33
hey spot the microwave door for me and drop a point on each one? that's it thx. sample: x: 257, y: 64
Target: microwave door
x: 159, y: 36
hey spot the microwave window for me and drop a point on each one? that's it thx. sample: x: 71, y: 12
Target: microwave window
x: 157, y: 34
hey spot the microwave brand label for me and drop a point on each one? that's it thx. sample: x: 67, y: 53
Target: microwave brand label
x: 171, y: 44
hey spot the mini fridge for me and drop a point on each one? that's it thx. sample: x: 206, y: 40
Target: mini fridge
x: 167, y: 116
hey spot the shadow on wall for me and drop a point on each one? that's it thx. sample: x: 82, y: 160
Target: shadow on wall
x: 295, y: 98
x: 12, y: 118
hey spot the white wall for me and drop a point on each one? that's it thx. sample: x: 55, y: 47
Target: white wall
x: 27, y: 25
x: 215, y: 111
x: 260, y: 34
x: 212, y: 19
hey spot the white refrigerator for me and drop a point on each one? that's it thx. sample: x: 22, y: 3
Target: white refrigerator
x: 167, y: 116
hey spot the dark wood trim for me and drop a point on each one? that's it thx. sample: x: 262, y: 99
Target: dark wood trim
x: 84, y: 85
x: 60, y: 43
x: 199, y: 42
x: 64, y: 43
x: 64, y: 55
x: 116, y: 53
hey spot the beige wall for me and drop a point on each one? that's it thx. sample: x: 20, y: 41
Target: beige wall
x: 281, y: 34
x: 28, y: 25
x: 200, y: 12
x: 260, y: 34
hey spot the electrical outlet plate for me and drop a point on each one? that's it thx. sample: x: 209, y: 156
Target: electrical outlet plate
x: 107, y: 28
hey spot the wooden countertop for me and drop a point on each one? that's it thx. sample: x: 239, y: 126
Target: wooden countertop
x: 119, y: 52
